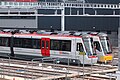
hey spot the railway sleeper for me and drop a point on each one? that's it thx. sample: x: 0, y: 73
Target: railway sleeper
x: 31, y: 71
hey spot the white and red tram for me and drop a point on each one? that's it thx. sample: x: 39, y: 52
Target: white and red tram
x: 46, y: 44
x: 102, y: 46
x: 107, y: 47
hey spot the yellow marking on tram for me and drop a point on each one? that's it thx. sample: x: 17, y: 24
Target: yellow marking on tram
x: 82, y: 53
x: 106, y: 58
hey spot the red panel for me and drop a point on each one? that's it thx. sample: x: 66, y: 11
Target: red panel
x: 92, y: 56
x: 45, y: 47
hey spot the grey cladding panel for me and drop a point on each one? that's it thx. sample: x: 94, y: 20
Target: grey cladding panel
x: 18, y: 23
x: 17, y: 10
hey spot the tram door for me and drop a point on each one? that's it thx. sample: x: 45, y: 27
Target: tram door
x: 45, y: 46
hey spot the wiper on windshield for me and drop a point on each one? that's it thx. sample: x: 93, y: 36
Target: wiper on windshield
x: 94, y: 54
x: 109, y: 52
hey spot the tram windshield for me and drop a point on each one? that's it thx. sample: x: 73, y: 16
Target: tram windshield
x: 97, y: 46
x: 88, y: 46
x: 106, y: 45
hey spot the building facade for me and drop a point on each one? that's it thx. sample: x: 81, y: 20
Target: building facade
x: 85, y: 23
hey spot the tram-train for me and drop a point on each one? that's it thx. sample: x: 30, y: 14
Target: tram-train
x: 103, y: 46
x: 100, y: 45
x: 107, y: 48
x: 60, y: 45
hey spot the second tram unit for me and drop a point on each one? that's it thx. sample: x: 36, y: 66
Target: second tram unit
x: 107, y: 48
x: 102, y: 47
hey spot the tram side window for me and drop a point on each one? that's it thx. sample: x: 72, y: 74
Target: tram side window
x: 47, y: 44
x: 63, y: 45
x: 17, y: 42
x: 36, y: 43
x: 43, y: 44
x: 27, y: 43
x: 97, y: 46
x: 4, y: 41
x: 66, y: 45
x: 55, y: 44
x: 80, y: 47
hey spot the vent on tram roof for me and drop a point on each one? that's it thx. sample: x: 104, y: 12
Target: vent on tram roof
x: 32, y: 31
x: 40, y: 31
x: 94, y: 33
x: 24, y: 31
x: 77, y: 34
x: 66, y: 34
x: 9, y: 30
x: 6, y: 30
x: 83, y: 33
x: 102, y: 34
x: 43, y: 32
x: 72, y: 32
x: 54, y: 33
x: 47, y: 32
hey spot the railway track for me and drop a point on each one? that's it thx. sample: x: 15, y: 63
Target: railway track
x: 95, y: 67
x: 41, y: 71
